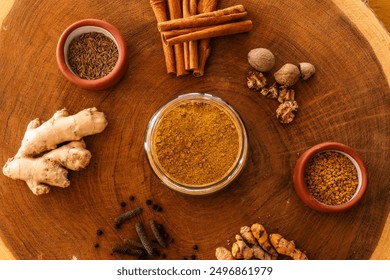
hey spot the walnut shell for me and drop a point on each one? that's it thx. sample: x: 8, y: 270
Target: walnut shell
x: 288, y: 75
x: 261, y: 59
x: 307, y: 70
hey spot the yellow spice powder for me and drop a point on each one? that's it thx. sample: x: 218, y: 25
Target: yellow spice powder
x: 196, y: 143
x: 331, y: 178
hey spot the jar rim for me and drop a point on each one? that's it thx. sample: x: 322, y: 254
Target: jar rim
x: 207, y: 188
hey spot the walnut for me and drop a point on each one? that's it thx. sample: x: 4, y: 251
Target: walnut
x: 285, y: 111
x: 286, y: 94
x: 256, y: 80
x: 271, y: 92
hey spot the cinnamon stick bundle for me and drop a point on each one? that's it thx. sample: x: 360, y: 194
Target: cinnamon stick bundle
x: 212, y: 18
x: 160, y: 11
x: 191, y: 25
x: 210, y: 32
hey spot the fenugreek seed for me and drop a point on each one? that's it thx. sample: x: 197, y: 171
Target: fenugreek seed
x: 331, y: 178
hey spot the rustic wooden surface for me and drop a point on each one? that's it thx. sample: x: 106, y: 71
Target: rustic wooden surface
x: 347, y: 101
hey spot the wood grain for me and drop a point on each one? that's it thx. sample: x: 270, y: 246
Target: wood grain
x: 346, y: 101
x: 382, y: 10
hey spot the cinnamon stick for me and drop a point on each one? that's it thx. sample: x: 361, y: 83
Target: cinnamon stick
x: 211, y: 32
x: 212, y: 18
x: 175, y: 12
x: 205, y: 6
x: 204, y: 50
x: 186, y: 13
x: 193, y: 45
x: 160, y: 12
x: 177, y: 32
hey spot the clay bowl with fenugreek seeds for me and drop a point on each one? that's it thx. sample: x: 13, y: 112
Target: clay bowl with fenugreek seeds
x: 330, y: 177
x: 92, y: 54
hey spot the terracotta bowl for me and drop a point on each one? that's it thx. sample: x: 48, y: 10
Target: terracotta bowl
x: 86, y: 26
x: 300, y: 184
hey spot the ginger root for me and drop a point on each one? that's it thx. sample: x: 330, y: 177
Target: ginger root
x: 221, y: 253
x: 240, y: 250
x: 285, y: 247
x: 262, y: 238
x: 40, y: 163
x: 255, y: 243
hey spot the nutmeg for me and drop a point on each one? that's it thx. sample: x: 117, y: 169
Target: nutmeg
x: 307, y: 70
x: 261, y: 59
x: 288, y: 75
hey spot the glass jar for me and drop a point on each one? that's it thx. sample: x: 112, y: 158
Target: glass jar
x: 189, y: 132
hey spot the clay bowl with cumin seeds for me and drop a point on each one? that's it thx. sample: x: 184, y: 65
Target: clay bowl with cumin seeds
x: 92, y: 54
x: 330, y: 177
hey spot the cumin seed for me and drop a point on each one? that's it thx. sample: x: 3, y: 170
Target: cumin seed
x: 92, y: 55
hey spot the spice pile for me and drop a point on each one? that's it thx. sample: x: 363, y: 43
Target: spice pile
x: 331, y: 178
x: 186, y: 32
x: 263, y: 60
x: 92, y: 55
x: 196, y: 143
x: 254, y: 243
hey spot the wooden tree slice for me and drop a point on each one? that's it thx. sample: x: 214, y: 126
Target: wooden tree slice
x: 347, y: 101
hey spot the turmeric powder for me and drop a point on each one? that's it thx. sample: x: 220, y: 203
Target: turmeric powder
x: 196, y: 143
